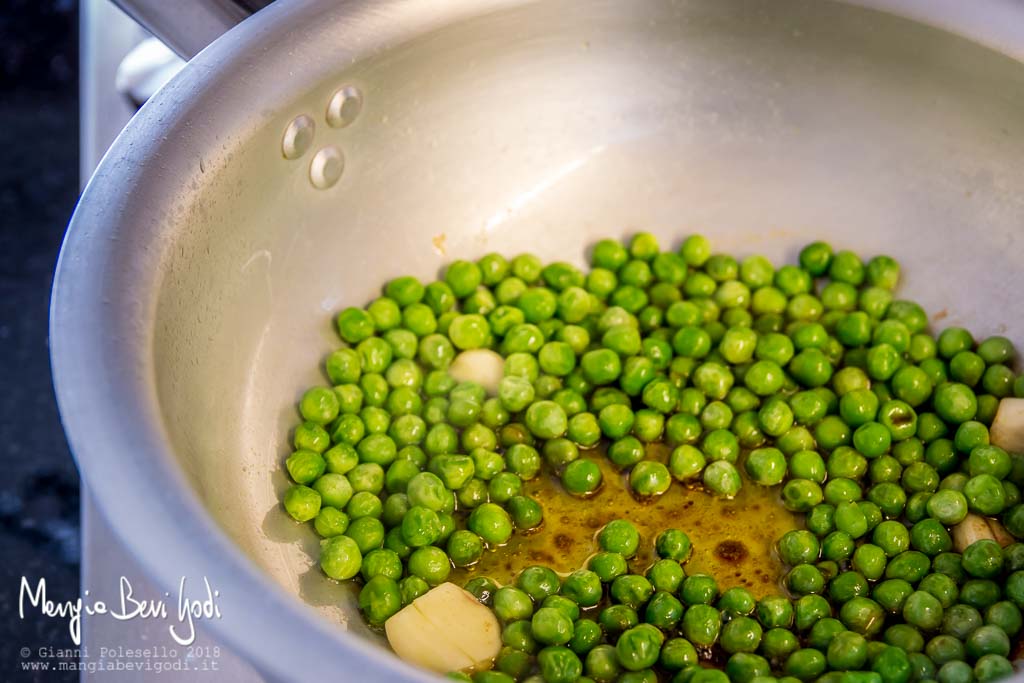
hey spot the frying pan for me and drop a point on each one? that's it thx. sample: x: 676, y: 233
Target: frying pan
x: 319, y: 148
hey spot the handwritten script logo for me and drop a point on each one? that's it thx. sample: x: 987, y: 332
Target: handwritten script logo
x: 128, y: 607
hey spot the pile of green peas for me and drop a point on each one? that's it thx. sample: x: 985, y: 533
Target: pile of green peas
x: 812, y: 377
x: 607, y: 623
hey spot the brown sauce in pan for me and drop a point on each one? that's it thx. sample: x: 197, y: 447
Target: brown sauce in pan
x: 733, y: 540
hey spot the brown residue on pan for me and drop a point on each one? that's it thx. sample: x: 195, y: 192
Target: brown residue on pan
x: 729, y: 537
x: 731, y: 551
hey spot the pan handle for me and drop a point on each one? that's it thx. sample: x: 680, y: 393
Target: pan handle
x: 188, y: 27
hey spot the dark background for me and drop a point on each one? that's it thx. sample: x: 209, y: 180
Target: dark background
x: 39, y: 495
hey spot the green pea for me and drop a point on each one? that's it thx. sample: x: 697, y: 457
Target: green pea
x: 823, y: 631
x: 986, y: 459
x: 1006, y: 616
x: 948, y: 506
x: 766, y: 466
x: 559, y: 664
x: 848, y: 585
x: 775, y: 417
x: 510, y: 665
x: 892, y: 664
x: 842, y: 490
x: 863, y: 615
x: 820, y: 520
x: 607, y: 565
x: 942, y: 587
x: 660, y: 395
x: 619, y: 536
x: 581, y: 477
x: 305, y: 466
x: 412, y: 587
x: 736, y: 601
x: 313, y: 437
x: 891, y: 594
x: 701, y: 625
x: 639, y: 647
x: 992, y: 667
x: 717, y: 415
x: 584, y: 429
x: 775, y: 612
x: 985, y: 640
x: 721, y: 477
x: 420, y: 527
x: 538, y: 582
x: 586, y: 634
x: 650, y: 478
x: 800, y: 495
x: 983, y: 559
x: 922, y: 609
x: 550, y: 626
x: 889, y: 497
x: 981, y: 593
x: 870, y: 560
x: 911, y: 566
x: 807, y: 464
x: 492, y: 523
x: 602, y: 663
x: 882, y: 361
x: 985, y: 494
x: 1013, y: 555
x: 677, y: 654
x: 617, y: 618
x: 871, y: 511
x: 302, y: 503
x: 930, y: 537
x: 899, y: 418
x: 955, y: 672
x: 699, y: 589
x: 512, y: 604
x: 892, y: 537
x: 631, y: 590
x: 944, y: 648
x: 847, y: 651
x: 379, y: 599
x: 846, y: 463
x: 546, y: 419
x: 330, y: 522
x: 686, y: 462
x: 583, y: 586
x: 721, y: 444
x: 960, y: 620
x: 340, y: 558
x: 798, y: 547
x: 954, y: 402
x: 837, y: 546
x: 872, y: 439
x: 809, y: 609
x: 805, y: 664
x: 465, y: 548
x: 601, y: 366
x: 741, y: 634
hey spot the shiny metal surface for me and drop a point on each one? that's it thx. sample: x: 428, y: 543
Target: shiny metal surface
x: 195, y: 290
x: 187, y: 27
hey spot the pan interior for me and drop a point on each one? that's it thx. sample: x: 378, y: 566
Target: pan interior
x: 542, y: 128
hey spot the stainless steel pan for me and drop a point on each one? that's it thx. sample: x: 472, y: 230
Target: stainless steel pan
x: 249, y: 200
